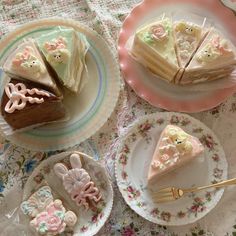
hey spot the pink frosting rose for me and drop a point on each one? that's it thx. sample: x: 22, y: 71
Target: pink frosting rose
x: 158, y: 32
x: 54, y: 223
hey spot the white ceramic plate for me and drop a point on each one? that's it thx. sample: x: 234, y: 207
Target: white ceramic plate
x: 88, y: 111
x: 134, y: 158
x: 89, y: 223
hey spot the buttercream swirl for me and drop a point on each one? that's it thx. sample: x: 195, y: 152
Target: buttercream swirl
x: 54, y: 219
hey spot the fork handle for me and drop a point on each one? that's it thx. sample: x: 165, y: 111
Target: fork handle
x: 217, y: 185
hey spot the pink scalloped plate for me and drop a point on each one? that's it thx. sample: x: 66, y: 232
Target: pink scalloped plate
x: 148, y: 89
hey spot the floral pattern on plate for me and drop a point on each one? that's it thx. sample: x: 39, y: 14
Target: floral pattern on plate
x: 135, y: 154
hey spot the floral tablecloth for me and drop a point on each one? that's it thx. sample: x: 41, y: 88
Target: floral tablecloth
x: 16, y: 163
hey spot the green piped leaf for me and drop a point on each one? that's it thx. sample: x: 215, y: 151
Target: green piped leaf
x: 147, y: 38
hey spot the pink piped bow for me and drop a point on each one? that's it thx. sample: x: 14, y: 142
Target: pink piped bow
x: 58, y: 43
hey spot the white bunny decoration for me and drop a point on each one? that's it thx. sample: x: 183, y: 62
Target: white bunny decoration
x: 77, y: 182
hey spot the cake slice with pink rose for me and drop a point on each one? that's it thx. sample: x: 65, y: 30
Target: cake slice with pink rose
x: 174, y: 149
x: 153, y: 47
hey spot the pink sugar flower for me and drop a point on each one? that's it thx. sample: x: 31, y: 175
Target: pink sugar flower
x: 158, y: 32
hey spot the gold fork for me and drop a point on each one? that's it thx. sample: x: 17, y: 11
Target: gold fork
x: 173, y: 193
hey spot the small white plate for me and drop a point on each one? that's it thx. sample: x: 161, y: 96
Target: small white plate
x: 89, y: 223
x: 134, y: 158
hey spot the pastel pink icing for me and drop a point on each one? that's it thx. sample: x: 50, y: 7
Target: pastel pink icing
x: 216, y: 43
x: 53, y: 220
x: 158, y: 32
x: 17, y: 96
x: 174, y: 148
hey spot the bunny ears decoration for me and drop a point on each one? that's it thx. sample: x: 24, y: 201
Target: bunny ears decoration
x: 49, y: 217
x: 58, y: 43
x: 77, y: 182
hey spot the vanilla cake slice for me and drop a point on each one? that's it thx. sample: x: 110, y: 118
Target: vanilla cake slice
x: 215, y: 59
x: 154, y: 48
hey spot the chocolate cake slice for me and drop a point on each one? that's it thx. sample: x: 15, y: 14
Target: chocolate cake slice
x: 26, y: 104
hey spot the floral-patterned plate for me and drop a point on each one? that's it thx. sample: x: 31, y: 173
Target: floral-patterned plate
x: 134, y: 158
x: 89, y: 222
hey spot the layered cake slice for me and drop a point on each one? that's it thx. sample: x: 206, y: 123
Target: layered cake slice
x: 25, y: 62
x: 174, y: 149
x: 188, y: 37
x: 153, y: 47
x: 26, y: 104
x: 65, y: 50
x: 215, y: 59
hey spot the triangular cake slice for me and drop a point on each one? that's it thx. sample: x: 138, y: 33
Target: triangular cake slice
x: 25, y: 62
x: 215, y: 59
x: 188, y: 37
x: 65, y: 50
x: 153, y: 47
x: 25, y: 104
x: 174, y: 148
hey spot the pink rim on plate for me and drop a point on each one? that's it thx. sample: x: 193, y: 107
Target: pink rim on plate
x: 134, y: 79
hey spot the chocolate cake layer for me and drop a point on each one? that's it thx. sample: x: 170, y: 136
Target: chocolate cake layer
x: 38, y: 108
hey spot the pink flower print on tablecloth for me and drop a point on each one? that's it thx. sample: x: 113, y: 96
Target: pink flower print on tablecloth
x: 128, y: 232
